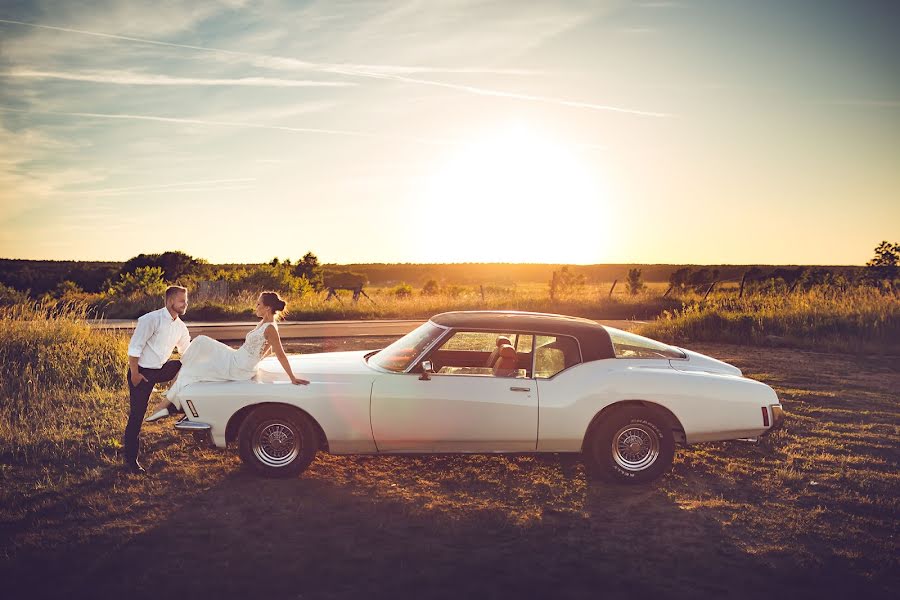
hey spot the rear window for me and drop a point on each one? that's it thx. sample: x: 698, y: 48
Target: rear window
x: 631, y: 345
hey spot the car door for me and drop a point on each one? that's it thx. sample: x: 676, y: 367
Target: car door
x: 463, y: 410
x: 555, y: 359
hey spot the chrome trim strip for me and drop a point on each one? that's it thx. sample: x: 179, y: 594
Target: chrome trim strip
x: 185, y: 425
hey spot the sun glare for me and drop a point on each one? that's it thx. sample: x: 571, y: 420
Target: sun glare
x: 515, y: 196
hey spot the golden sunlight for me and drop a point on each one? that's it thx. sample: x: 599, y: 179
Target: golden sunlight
x: 517, y: 196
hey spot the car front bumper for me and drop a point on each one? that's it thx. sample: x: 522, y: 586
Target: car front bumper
x: 200, y: 431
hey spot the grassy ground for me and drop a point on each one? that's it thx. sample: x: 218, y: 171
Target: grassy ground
x: 809, y: 512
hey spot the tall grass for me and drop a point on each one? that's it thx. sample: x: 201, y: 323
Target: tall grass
x: 61, y: 382
x: 858, y: 320
x: 593, y: 301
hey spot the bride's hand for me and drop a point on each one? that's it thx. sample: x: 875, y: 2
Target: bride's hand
x: 298, y: 381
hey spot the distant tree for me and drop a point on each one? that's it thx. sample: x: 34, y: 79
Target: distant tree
x: 884, y: 266
x: 680, y: 278
x: 431, y: 288
x: 634, y: 281
x: 309, y: 268
x: 274, y: 262
x: 144, y: 280
x: 564, y: 281
x: 278, y: 278
x: 174, y: 264
x: 66, y: 288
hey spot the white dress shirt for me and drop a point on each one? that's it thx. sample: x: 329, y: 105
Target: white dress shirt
x: 156, y: 334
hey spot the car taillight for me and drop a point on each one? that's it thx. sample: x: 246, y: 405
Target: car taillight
x: 765, y: 411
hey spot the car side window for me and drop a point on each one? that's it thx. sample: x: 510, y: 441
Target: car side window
x: 554, y: 354
x: 479, y: 353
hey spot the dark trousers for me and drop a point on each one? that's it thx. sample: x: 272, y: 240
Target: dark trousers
x: 138, y: 396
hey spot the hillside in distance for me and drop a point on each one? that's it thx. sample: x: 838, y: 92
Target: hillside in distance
x: 40, y: 276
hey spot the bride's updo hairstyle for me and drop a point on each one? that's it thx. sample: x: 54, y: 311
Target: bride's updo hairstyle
x: 274, y: 301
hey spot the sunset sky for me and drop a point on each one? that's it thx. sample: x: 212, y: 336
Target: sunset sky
x: 586, y: 132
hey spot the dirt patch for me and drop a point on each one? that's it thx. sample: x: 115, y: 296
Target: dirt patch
x: 810, y: 512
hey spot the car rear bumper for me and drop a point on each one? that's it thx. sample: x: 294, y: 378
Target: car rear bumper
x: 777, y: 413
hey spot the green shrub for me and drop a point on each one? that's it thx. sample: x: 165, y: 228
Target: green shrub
x: 402, y: 290
x: 143, y: 280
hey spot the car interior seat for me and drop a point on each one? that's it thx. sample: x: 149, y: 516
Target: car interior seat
x: 501, y: 341
x: 507, y: 364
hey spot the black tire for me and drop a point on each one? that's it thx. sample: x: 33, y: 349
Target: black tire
x: 277, y: 442
x: 630, y: 445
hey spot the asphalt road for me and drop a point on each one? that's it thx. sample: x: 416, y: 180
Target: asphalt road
x: 313, y: 329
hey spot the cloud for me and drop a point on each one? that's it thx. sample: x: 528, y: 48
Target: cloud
x: 516, y: 96
x: 156, y: 118
x: 283, y: 62
x: 132, y: 78
x: 871, y: 103
x: 24, y: 185
x: 161, y: 187
x: 274, y: 62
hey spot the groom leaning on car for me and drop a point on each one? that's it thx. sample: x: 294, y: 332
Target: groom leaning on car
x: 156, y: 335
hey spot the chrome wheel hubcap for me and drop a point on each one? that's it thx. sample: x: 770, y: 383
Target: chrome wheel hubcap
x: 276, y: 444
x: 635, y: 447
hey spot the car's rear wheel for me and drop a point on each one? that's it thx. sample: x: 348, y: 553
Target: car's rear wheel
x: 277, y: 442
x: 630, y: 445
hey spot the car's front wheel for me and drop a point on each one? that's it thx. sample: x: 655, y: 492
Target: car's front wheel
x: 630, y: 445
x: 277, y: 442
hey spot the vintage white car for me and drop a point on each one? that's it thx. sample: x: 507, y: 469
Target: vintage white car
x: 488, y: 382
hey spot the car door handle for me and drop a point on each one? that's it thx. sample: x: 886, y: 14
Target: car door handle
x: 520, y: 389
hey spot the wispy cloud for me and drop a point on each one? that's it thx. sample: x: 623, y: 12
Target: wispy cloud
x: 873, y: 103
x: 280, y: 62
x: 503, y: 94
x: 156, y: 118
x: 662, y: 4
x: 132, y: 78
x: 182, y: 185
x: 25, y: 186
x: 286, y: 62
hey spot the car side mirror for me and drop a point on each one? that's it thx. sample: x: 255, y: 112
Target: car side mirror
x: 427, y: 368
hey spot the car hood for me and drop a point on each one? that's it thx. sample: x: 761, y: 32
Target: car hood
x: 705, y: 364
x: 316, y: 367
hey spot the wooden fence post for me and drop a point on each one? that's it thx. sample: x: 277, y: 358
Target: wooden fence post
x: 668, y: 290
x: 613, y: 287
x: 743, y: 279
x: 709, y: 289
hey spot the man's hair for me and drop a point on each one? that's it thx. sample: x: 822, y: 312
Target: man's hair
x: 174, y: 289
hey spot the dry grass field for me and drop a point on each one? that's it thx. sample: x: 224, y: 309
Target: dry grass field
x: 810, y: 512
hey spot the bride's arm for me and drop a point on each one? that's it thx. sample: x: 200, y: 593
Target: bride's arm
x: 275, y: 343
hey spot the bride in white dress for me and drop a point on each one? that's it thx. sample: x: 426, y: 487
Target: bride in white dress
x: 207, y: 359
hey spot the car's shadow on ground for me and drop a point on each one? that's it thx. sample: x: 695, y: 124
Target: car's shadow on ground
x: 438, y: 527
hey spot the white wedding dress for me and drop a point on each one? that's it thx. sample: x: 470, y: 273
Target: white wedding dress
x: 207, y: 359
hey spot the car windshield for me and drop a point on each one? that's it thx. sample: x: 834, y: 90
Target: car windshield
x: 398, y: 355
x: 630, y: 345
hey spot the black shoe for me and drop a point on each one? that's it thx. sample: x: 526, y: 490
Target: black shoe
x: 134, y: 466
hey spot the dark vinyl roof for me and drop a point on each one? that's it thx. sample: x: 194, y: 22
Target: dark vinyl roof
x: 594, y: 339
